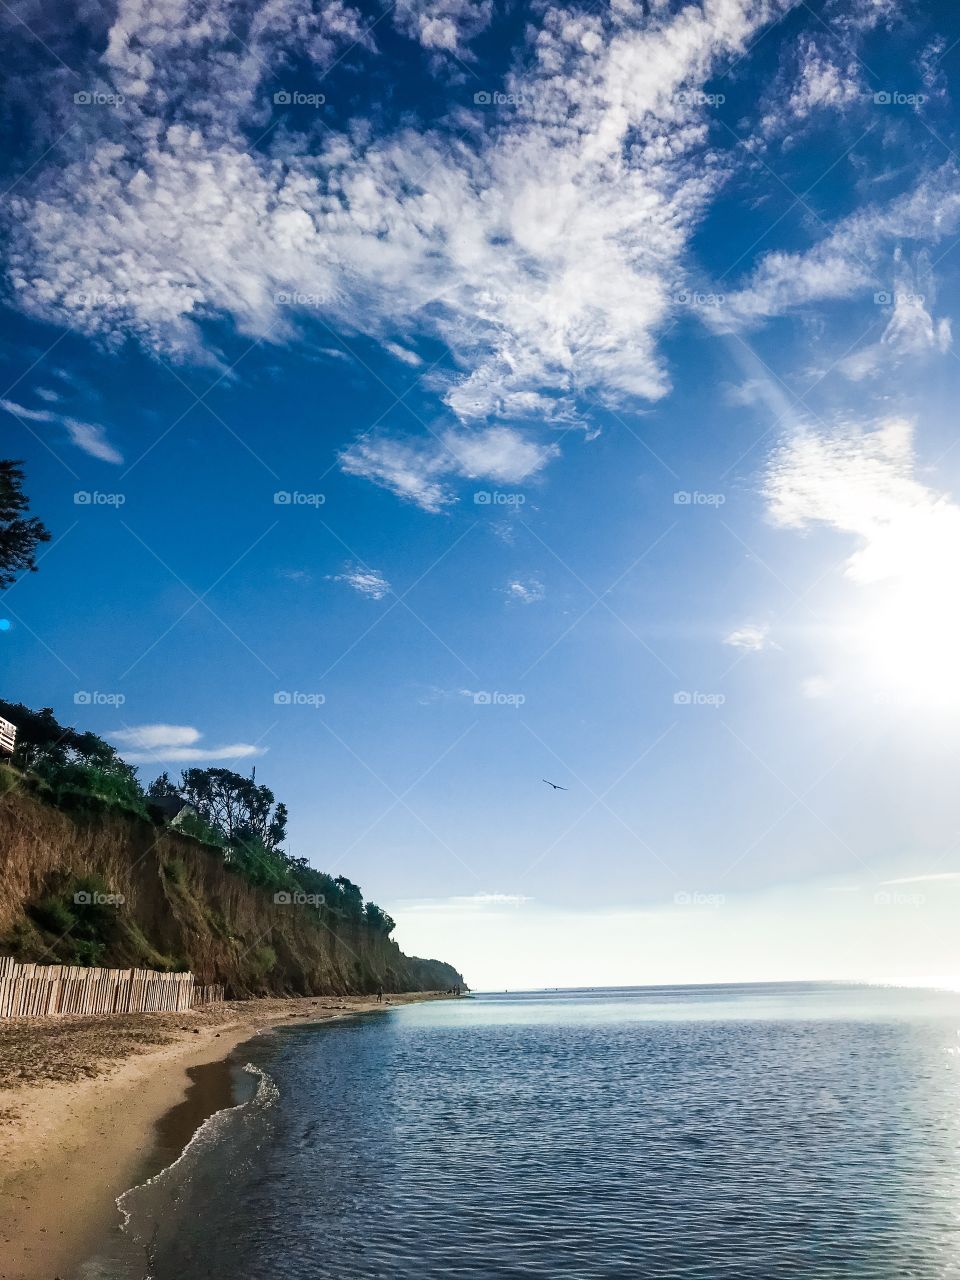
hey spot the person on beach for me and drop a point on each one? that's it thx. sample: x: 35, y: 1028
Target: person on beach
x: 380, y: 995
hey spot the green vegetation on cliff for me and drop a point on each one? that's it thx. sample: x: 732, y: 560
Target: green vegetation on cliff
x: 93, y: 873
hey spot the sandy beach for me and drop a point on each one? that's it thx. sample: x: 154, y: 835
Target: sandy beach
x: 80, y: 1102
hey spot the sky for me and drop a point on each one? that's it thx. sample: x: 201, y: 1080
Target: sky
x: 431, y: 399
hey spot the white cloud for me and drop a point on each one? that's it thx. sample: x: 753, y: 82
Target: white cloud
x: 813, y: 82
x: 444, y: 25
x: 92, y: 439
x: 815, y: 687
x: 158, y: 735
x: 939, y: 875
x: 540, y: 243
x: 862, y: 481
x: 421, y: 470
x: 154, y: 743
x: 856, y: 256
x: 368, y: 582
x: 404, y: 354
x: 525, y: 590
x: 911, y: 329
x: 87, y: 436
x: 902, y: 628
x: 468, y: 903
x: 751, y: 637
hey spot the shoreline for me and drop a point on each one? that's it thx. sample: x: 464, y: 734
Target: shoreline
x: 69, y: 1146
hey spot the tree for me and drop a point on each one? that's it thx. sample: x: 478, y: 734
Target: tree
x: 378, y: 919
x: 44, y: 743
x: 161, y: 787
x: 245, y: 814
x: 19, y: 534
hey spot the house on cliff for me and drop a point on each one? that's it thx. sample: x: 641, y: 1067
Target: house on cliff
x: 170, y: 810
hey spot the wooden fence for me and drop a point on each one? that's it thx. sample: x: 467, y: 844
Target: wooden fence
x: 211, y: 993
x: 46, y: 990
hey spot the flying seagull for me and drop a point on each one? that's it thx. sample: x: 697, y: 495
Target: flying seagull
x: 556, y: 786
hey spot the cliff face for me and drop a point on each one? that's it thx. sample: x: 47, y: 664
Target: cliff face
x: 181, y: 907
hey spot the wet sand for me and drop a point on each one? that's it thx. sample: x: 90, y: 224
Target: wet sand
x: 89, y: 1106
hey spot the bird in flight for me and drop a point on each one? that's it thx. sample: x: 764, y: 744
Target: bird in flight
x: 556, y: 786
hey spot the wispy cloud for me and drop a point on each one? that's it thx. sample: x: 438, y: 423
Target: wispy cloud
x: 368, y: 582
x: 422, y: 470
x: 445, y: 26
x: 751, y: 637
x: 539, y: 245
x: 861, y: 480
x: 525, y: 590
x: 403, y: 354
x: 475, y: 902
x: 175, y: 743
x: 901, y: 628
x: 89, y: 437
x: 855, y: 257
x: 924, y: 879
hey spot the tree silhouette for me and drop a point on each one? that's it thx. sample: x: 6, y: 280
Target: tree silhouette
x: 20, y: 534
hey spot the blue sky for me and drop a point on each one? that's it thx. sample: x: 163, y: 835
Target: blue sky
x: 431, y: 399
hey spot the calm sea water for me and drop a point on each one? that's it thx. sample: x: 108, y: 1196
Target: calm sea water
x: 755, y: 1132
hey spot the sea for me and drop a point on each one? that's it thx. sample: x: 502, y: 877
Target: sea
x: 753, y: 1131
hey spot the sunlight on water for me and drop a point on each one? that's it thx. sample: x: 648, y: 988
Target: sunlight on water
x: 754, y: 1132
